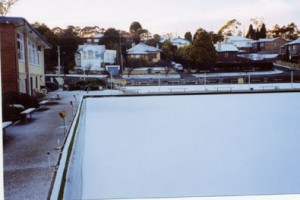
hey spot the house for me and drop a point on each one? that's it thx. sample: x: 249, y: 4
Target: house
x: 94, y: 57
x: 178, y: 42
x: 22, y: 56
x: 294, y: 50
x: 269, y: 45
x: 142, y: 50
x: 226, y: 52
x: 95, y: 39
x: 243, y: 44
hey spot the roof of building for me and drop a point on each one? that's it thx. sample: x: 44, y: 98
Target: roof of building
x: 142, y: 49
x: 269, y: 40
x: 93, y: 47
x: 19, y: 22
x: 238, y: 38
x: 239, y: 41
x: 226, y: 48
x: 295, y: 42
x: 175, y: 40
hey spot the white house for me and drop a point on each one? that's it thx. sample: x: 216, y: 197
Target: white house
x: 178, y: 42
x: 242, y: 43
x: 94, y: 57
x: 142, y: 50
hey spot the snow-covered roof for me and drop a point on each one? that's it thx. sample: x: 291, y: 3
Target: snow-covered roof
x: 239, y: 42
x: 142, y: 49
x: 295, y: 42
x: 100, y: 35
x: 259, y: 56
x: 238, y: 38
x: 269, y: 40
x: 226, y: 48
x: 93, y: 47
x: 175, y: 40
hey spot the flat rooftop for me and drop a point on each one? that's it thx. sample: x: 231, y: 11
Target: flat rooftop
x: 190, y: 146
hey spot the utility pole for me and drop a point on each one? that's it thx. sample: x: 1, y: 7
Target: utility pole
x: 58, y: 59
x: 121, y: 56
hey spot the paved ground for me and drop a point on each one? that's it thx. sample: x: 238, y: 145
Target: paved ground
x: 29, y: 150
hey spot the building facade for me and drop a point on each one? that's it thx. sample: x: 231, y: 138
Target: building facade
x: 94, y: 57
x: 294, y: 50
x: 226, y: 52
x: 22, y: 56
x: 144, y: 51
x: 270, y: 45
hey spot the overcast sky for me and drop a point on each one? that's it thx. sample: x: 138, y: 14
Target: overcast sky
x: 158, y: 16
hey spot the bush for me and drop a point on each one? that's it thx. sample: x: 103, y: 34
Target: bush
x: 87, y: 85
x: 13, y: 113
x: 52, y: 86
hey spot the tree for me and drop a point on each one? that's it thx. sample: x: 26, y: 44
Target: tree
x: 153, y: 41
x: 188, y: 36
x: 251, y: 33
x: 183, y: 56
x: 167, y: 52
x: 203, y: 52
x: 216, y: 37
x: 263, y: 31
x: 50, y: 54
x: 135, y: 27
x: 257, y: 34
x: 68, y: 42
x: 111, y: 39
x: 138, y: 33
x: 134, y: 30
x: 5, y: 5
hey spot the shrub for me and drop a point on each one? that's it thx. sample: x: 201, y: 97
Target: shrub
x: 87, y: 85
x: 12, y: 113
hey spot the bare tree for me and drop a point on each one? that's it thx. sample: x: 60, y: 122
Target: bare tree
x: 5, y: 6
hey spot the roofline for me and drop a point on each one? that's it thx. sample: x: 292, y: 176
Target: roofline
x: 20, y: 21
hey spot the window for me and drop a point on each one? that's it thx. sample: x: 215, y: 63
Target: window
x: 84, y: 55
x: 90, y: 54
x: 226, y: 55
x: 20, y: 42
x: 33, y: 54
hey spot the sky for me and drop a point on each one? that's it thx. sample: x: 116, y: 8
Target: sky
x: 158, y: 16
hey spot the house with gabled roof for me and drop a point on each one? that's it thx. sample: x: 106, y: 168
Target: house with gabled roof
x: 226, y: 52
x: 144, y: 51
x: 178, y: 42
x: 294, y: 49
x: 22, y: 56
x: 269, y: 45
x: 243, y: 44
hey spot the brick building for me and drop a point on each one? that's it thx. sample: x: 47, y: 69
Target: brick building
x: 21, y: 56
x: 269, y: 45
